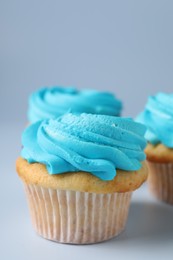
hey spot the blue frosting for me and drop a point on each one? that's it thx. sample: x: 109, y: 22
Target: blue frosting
x: 56, y: 101
x: 98, y: 144
x: 158, y: 117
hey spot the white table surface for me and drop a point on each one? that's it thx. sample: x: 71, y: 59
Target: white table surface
x: 148, y: 234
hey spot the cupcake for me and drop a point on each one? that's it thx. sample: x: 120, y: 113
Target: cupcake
x: 158, y: 117
x: 55, y: 101
x: 79, y: 171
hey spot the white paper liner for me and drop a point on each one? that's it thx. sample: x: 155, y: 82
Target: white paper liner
x: 77, y: 217
x: 160, y: 181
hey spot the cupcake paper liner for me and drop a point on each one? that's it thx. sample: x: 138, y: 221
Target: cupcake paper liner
x: 160, y: 181
x: 77, y: 217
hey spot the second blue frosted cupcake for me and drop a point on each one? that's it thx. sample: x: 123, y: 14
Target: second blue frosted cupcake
x: 50, y: 102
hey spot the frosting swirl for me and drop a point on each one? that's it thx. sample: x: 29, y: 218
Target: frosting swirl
x: 158, y: 117
x: 55, y: 101
x: 98, y: 144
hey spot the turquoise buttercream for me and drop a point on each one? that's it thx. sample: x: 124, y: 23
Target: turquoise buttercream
x: 158, y: 117
x: 56, y: 101
x: 98, y: 144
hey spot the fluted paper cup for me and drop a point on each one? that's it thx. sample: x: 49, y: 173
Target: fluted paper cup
x: 77, y: 217
x: 160, y: 181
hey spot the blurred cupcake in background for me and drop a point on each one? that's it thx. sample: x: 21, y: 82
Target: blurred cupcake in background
x: 158, y: 117
x: 50, y: 102
x: 79, y: 171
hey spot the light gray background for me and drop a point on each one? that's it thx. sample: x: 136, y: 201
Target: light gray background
x: 125, y: 46
x: 122, y: 46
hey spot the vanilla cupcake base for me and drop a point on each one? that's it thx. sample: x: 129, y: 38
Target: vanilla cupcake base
x: 77, y: 217
x: 160, y: 181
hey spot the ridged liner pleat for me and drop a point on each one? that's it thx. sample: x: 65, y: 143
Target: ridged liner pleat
x: 160, y: 181
x: 77, y: 217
